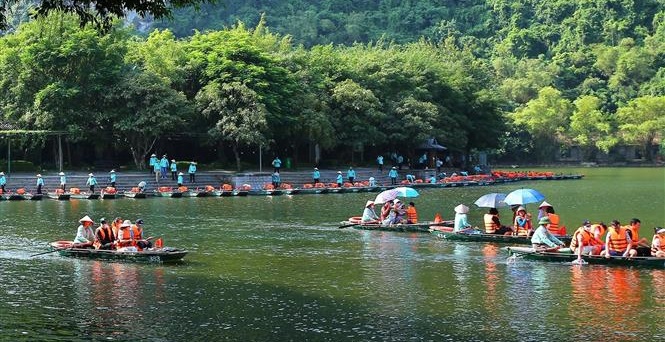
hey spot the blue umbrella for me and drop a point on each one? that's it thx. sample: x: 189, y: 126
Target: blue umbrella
x: 493, y: 200
x: 524, y: 196
x: 391, y: 194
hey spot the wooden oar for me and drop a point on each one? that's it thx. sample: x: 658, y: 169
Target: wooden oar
x: 347, y: 225
x: 47, y: 252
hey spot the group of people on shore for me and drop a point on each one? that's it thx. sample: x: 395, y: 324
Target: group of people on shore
x: 162, y: 167
x: 122, y: 235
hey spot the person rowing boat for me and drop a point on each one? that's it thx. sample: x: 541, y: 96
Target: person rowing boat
x: 85, y: 236
x: 369, y: 215
x: 542, y: 239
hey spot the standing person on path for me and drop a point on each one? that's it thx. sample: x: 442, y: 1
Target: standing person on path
x: 112, y: 178
x: 340, y: 179
x: 316, y: 175
x: 153, y: 161
x: 40, y: 184
x: 91, y: 182
x: 180, y: 179
x: 439, y: 164
x: 276, y: 164
x: 63, y: 181
x: 174, y: 169
x: 3, y: 181
x: 351, y: 174
x: 393, y: 176
x: 164, y: 166
x: 192, y: 172
x: 276, y: 180
x: 379, y: 160
x: 157, y: 171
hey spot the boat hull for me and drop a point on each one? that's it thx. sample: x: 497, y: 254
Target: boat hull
x: 85, y: 196
x: 162, y: 255
x: 563, y: 257
x: 481, y: 237
x: 414, y: 228
x: 60, y: 197
x: 135, y: 194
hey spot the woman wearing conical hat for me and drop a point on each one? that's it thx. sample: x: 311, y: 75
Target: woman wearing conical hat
x: 85, y: 235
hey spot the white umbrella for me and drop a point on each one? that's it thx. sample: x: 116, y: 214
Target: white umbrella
x: 493, y: 200
x: 391, y: 194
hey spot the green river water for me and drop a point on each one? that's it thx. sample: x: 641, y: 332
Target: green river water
x: 279, y: 269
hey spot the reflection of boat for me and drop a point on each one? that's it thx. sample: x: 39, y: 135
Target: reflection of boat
x: 478, y: 236
x: 567, y: 256
x: 158, y: 255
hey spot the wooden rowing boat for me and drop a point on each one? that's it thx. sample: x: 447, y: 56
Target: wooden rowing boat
x: 157, y: 255
x: 84, y: 195
x: 131, y: 194
x: 59, y: 196
x: 567, y: 257
x: 478, y: 236
x: 15, y: 197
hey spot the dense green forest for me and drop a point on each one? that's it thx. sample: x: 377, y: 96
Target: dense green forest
x: 524, y: 80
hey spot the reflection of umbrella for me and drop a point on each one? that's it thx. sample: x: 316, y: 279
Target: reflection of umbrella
x: 391, y: 194
x: 461, y: 209
x: 524, y: 196
x: 493, y: 200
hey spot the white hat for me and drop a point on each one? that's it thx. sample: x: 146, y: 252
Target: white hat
x: 545, y: 204
x: 339, y: 171
x: 61, y: 173
x: 520, y: 208
x: 316, y: 168
x: 39, y: 175
x: 193, y: 163
x: 126, y: 223
x: 461, y: 209
x: 112, y: 171
x: 660, y: 231
x: 173, y: 160
x: 90, y: 174
x: 396, y: 200
x: 86, y: 218
x: 180, y: 173
x: 371, y: 178
x: 153, y: 155
x: 370, y: 202
x: 2, y: 173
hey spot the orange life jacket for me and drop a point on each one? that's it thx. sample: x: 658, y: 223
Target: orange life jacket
x: 137, y: 233
x: 412, y: 215
x: 124, y: 234
x: 553, y: 227
x: 588, y: 239
x: 105, y: 235
x: 522, y: 230
x: 617, y: 239
x: 490, y: 226
x: 634, y: 235
x: 601, y: 230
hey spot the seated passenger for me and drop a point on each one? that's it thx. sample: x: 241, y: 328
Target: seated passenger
x: 369, y: 215
x: 522, y: 224
x: 618, y: 242
x: 124, y: 236
x: 658, y: 243
x: 85, y: 236
x: 104, y: 237
x: 641, y: 245
x: 372, y: 181
x: 584, y: 241
x: 461, y: 221
x: 542, y: 239
x: 400, y: 211
x: 493, y: 225
x: 410, y: 178
x: 411, y: 213
x: 432, y: 179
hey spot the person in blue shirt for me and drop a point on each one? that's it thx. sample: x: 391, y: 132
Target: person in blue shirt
x: 432, y: 179
x: 393, y: 176
x: 163, y: 165
x: 351, y: 174
x: 91, y: 182
x: 372, y: 181
x: 63, y: 181
x: 276, y: 181
x: 153, y: 161
x: 112, y: 178
x: 192, y: 172
x: 157, y: 171
x: 340, y: 179
x: 276, y: 164
x: 3, y: 181
x: 379, y: 160
x: 174, y: 169
x: 542, y: 239
x: 180, y: 179
x: 40, y: 183
x: 410, y: 178
x: 316, y: 175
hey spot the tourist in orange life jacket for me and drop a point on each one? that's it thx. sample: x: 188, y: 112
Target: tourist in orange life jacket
x: 137, y: 235
x: 104, y: 237
x: 411, y: 213
x: 618, y: 242
x: 493, y: 225
x: 522, y: 223
x: 585, y: 242
x: 599, y: 230
x: 124, y: 236
x: 658, y: 243
x: 85, y: 236
x: 641, y: 245
x: 554, y: 226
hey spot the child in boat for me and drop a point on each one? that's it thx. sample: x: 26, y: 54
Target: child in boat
x: 658, y: 243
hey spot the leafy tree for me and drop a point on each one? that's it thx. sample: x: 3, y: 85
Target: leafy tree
x: 147, y: 109
x: 100, y: 13
x: 239, y: 116
x: 641, y: 121
x: 590, y: 127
